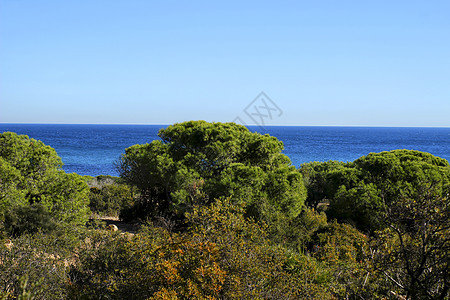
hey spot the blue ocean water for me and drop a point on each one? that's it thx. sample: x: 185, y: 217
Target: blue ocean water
x: 93, y: 149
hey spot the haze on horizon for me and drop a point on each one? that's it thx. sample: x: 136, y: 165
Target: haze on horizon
x: 347, y: 63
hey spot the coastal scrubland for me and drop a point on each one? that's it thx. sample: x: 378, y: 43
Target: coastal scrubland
x: 223, y: 214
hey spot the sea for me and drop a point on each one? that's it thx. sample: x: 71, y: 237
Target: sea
x: 94, y: 149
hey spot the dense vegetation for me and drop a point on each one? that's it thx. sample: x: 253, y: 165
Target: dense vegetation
x: 108, y: 195
x: 360, y: 192
x: 224, y: 215
x: 35, y: 193
x: 195, y: 163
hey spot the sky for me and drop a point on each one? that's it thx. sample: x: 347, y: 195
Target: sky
x: 324, y: 63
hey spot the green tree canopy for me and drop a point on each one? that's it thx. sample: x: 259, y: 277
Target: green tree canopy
x: 31, y: 180
x: 360, y: 191
x: 196, y: 162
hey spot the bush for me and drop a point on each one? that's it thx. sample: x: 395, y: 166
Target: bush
x: 345, y: 251
x: 29, y: 219
x: 34, y: 265
x: 110, y: 199
x: 222, y: 255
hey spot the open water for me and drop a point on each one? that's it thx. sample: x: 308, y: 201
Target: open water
x: 93, y: 149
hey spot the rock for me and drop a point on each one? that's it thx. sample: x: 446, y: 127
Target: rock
x: 112, y: 227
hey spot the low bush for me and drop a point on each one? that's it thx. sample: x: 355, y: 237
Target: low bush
x: 222, y: 255
x: 28, y: 219
x: 108, y: 196
x: 34, y: 267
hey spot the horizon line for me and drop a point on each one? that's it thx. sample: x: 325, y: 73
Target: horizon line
x: 249, y: 125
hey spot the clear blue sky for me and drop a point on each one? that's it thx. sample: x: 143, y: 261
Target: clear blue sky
x: 373, y: 63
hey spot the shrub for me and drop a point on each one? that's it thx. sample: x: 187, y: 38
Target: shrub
x: 34, y: 266
x: 222, y: 255
x: 110, y: 199
x: 29, y: 219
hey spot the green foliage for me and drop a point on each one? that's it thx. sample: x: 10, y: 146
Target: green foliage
x: 109, y: 197
x: 100, y: 263
x: 245, y: 232
x: 10, y: 193
x: 197, y: 162
x: 317, y: 180
x: 345, y: 251
x: 32, y: 183
x: 359, y: 192
x: 254, y: 266
x: 361, y: 205
x: 223, y: 255
x: 297, y: 233
x: 33, y: 267
x: 29, y: 219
